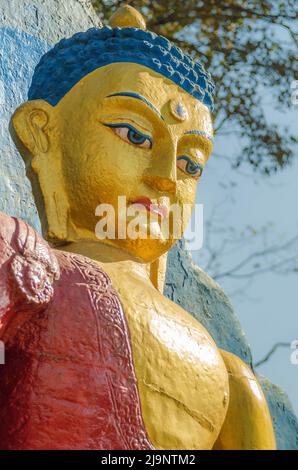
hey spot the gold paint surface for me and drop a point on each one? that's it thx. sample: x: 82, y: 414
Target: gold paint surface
x: 127, y: 17
x: 248, y: 424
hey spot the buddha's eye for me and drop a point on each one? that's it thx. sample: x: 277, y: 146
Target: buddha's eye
x: 189, y: 167
x: 131, y: 135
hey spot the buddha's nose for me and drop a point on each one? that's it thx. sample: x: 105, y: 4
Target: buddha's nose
x: 162, y: 174
x: 160, y: 183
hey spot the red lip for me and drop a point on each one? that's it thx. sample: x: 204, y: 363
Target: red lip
x: 154, y: 208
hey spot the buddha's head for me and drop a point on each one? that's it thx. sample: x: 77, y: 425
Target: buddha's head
x: 115, y: 111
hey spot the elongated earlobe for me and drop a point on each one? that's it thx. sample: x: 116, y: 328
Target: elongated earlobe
x: 38, y: 120
x: 32, y: 123
x: 34, y: 129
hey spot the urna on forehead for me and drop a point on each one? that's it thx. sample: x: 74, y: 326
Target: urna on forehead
x: 127, y: 41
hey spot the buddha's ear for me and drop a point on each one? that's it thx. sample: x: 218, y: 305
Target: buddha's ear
x: 32, y: 123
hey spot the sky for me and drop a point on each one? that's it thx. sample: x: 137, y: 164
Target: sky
x: 268, y: 306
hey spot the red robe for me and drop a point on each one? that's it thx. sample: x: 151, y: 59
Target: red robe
x: 68, y: 381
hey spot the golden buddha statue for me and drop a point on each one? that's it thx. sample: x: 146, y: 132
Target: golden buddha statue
x: 112, y: 112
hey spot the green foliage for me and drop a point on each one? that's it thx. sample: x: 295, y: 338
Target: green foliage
x: 250, y: 48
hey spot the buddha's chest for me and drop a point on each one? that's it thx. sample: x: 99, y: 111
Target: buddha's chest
x: 182, y: 380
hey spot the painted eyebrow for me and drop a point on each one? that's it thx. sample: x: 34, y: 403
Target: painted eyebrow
x: 201, y: 133
x: 136, y: 96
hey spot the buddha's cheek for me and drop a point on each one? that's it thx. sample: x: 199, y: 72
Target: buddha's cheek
x: 99, y: 176
x: 186, y: 195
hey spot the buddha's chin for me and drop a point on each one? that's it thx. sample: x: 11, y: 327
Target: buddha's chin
x: 145, y: 250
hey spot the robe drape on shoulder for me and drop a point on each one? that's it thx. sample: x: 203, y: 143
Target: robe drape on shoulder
x: 68, y: 381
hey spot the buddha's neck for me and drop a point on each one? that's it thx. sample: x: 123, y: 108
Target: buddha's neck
x: 115, y: 258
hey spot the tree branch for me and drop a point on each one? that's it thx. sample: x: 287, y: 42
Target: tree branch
x: 271, y: 352
x: 274, y: 249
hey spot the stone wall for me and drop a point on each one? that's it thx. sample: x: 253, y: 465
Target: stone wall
x: 28, y: 28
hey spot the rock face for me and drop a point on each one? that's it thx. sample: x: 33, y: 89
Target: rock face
x: 27, y: 30
x: 48, y: 20
x: 284, y: 419
x: 190, y: 287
